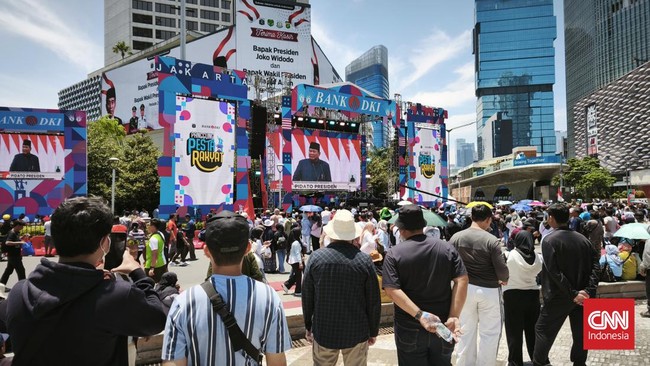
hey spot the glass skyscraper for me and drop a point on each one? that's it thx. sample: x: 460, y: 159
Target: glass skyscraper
x: 515, y: 70
x: 604, y: 40
x: 370, y: 71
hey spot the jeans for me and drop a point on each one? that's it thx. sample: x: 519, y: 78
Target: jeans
x: 521, y: 310
x: 295, y: 278
x: 282, y: 255
x: 548, y: 325
x: 417, y: 346
x: 13, y: 262
x: 315, y: 242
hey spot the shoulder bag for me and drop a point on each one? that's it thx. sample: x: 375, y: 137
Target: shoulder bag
x: 237, y: 337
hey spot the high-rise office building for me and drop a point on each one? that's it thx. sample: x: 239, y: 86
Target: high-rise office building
x: 464, y: 153
x: 143, y: 23
x: 370, y: 71
x: 604, y: 40
x: 515, y: 70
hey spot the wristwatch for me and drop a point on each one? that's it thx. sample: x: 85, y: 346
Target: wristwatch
x: 418, y: 315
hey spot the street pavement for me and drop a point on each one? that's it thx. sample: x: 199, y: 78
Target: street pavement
x: 383, y: 352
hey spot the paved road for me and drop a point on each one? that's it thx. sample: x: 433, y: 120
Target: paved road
x: 383, y: 352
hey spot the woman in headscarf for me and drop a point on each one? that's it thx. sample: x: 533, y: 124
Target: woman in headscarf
x: 613, y: 260
x: 521, y: 296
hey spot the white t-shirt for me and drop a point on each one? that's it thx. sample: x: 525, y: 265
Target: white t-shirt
x: 610, y: 226
x: 325, y: 216
x: 153, y: 243
x: 48, y: 228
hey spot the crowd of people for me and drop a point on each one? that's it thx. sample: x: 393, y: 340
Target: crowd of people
x: 342, y: 263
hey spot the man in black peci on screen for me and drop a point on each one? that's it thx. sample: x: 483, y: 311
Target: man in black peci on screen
x: 26, y: 161
x: 313, y: 169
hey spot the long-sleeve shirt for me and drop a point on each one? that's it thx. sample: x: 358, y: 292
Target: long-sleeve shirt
x: 570, y: 265
x: 481, y: 253
x: 340, y: 296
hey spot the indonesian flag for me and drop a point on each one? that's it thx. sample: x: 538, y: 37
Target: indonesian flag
x: 559, y: 195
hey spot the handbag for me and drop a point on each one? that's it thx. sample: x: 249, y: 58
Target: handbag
x: 237, y: 337
x: 606, y: 274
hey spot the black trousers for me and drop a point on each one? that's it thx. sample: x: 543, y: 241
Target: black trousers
x: 295, y: 277
x: 551, y: 318
x: 190, y: 248
x: 315, y: 242
x: 13, y: 262
x: 521, y: 309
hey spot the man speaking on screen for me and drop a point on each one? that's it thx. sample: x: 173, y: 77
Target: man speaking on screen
x: 313, y: 169
x: 25, y: 162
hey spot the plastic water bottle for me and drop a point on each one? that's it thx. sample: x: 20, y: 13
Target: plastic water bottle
x: 444, y: 332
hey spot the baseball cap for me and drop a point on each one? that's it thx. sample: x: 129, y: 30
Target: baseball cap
x: 227, y: 232
x: 410, y: 217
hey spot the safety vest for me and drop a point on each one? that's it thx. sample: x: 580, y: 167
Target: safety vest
x: 161, y: 252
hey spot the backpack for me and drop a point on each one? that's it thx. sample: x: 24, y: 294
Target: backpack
x: 281, y: 242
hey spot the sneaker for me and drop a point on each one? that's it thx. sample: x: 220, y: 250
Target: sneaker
x: 297, y: 294
x: 183, y: 264
x: 646, y: 314
x: 173, y: 264
x: 284, y: 287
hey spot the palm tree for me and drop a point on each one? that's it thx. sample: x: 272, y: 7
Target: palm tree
x: 121, y: 48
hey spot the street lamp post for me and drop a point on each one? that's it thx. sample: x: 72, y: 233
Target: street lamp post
x: 113, y: 161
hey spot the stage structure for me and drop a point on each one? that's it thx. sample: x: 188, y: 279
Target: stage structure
x: 324, y: 122
x: 54, y: 168
x: 204, y: 112
x: 423, y: 154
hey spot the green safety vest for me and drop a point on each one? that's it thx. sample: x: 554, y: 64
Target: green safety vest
x: 161, y: 253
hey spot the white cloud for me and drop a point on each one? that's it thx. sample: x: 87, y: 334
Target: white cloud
x: 432, y: 51
x: 38, y: 23
x: 340, y: 55
x: 458, y: 93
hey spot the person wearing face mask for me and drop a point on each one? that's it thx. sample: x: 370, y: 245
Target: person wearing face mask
x: 75, y: 298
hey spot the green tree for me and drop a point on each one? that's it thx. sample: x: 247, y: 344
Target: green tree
x: 379, y: 169
x: 589, y: 179
x: 105, y: 140
x: 122, y: 48
x: 137, y: 183
x: 138, y: 186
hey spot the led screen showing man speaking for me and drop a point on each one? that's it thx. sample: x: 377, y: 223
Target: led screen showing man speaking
x: 325, y: 160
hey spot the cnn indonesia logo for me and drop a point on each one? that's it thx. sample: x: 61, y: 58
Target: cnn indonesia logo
x: 608, y: 324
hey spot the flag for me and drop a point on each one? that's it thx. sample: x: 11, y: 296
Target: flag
x: 559, y: 194
x: 286, y: 123
x: 250, y: 207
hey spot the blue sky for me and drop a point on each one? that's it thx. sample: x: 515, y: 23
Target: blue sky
x: 50, y: 45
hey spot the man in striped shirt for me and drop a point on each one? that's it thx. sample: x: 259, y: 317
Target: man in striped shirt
x: 195, y: 335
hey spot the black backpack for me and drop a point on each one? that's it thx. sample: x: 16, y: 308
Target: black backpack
x: 281, y: 242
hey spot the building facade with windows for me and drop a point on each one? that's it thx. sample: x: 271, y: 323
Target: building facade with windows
x: 604, y: 40
x: 515, y: 71
x: 370, y: 72
x: 464, y: 153
x: 143, y: 23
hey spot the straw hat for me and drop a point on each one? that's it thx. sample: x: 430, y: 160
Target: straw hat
x: 342, y: 226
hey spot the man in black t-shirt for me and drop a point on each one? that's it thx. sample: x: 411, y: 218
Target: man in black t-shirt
x: 12, y: 247
x: 417, y: 273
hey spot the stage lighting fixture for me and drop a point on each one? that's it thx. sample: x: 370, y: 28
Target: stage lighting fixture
x: 342, y: 123
x: 353, y: 125
x: 276, y: 115
x: 332, y: 123
x: 321, y: 121
x: 312, y: 120
x: 300, y: 119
